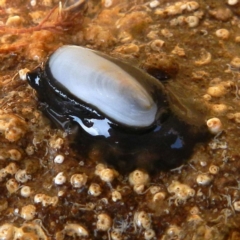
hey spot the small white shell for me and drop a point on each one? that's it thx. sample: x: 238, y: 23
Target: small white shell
x: 232, y: 2
x: 94, y: 189
x: 60, y: 179
x: 33, y: 3
x: 116, y: 196
x: 214, y: 125
x: 25, y: 191
x: 104, y: 222
x: 149, y: 234
x: 192, y: 21
x: 159, y: 196
x: 78, y: 180
x: 59, y: 159
x: 133, y: 105
x: 107, y: 175
x: 21, y: 176
x: 142, y: 219
x: 45, y: 200
x: 138, y: 177
x: 154, y: 4
x: 213, y: 169
x: 204, y: 179
x: 38, y: 198
x: 236, y: 206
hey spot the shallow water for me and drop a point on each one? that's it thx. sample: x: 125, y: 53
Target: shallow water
x: 197, y: 44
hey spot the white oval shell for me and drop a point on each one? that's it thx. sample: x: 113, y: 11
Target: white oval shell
x: 101, y: 83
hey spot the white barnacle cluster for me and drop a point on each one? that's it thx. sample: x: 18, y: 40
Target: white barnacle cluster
x: 138, y: 179
x: 12, y: 127
x: 178, y: 8
x: 83, y: 192
x: 106, y: 174
x: 46, y: 200
x: 159, y: 196
x: 34, y: 231
x: 11, y: 169
x: 12, y: 184
x: 181, y: 191
x: 142, y: 219
x: 10, y: 154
